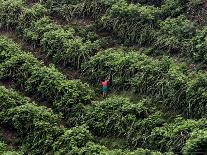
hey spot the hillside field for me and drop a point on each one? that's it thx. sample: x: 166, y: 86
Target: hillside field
x: 54, y: 54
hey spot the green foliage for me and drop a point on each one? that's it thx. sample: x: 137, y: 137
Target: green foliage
x: 22, y: 117
x: 30, y: 75
x: 119, y: 61
x: 175, y: 34
x: 35, y: 32
x: 36, y: 126
x: 117, y: 116
x: 199, y: 42
x: 195, y: 4
x: 196, y: 143
x: 197, y: 94
x: 10, y: 11
x: 85, y: 8
x: 64, y: 47
x: 96, y: 149
x: 7, y: 48
x: 148, y: 2
x: 172, y: 8
x: 10, y: 99
x: 167, y: 82
x: 180, y: 27
x: 2, y: 147
x: 30, y: 15
x: 40, y: 138
x: 74, y: 138
x: 172, y: 136
x: 4, y: 150
x: 133, y: 23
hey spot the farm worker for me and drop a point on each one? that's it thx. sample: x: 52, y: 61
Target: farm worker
x: 105, y: 87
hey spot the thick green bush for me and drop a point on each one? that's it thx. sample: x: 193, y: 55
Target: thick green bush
x: 35, y: 32
x: 119, y: 117
x: 10, y: 11
x: 196, y: 143
x: 133, y: 23
x: 7, y: 48
x: 96, y: 149
x: 4, y: 150
x: 22, y: 116
x: 93, y: 9
x: 175, y: 36
x: 36, y: 126
x: 199, y: 45
x: 30, y: 15
x: 148, y: 2
x: 172, y: 8
x: 10, y: 99
x: 74, y: 138
x: 67, y: 49
x: 173, y: 136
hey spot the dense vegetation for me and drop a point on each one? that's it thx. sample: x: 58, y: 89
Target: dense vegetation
x: 155, y: 44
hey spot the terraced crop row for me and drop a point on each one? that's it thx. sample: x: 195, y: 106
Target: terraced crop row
x: 10, y: 57
x: 46, y: 83
x: 171, y: 85
x: 39, y: 131
x: 163, y: 25
x: 13, y: 61
x: 62, y: 45
x: 166, y: 81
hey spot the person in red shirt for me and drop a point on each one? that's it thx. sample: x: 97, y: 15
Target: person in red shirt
x: 105, y: 87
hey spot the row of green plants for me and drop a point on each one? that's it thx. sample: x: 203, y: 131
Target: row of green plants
x: 31, y: 122
x: 136, y: 23
x: 93, y: 118
x: 39, y: 131
x: 9, y: 13
x: 180, y: 35
x: 45, y: 83
x: 126, y: 121
x: 145, y: 26
x: 196, y: 143
x: 171, y: 85
x: 165, y: 28
x: 61, y: 44
x: 68, y: 10
x: 178, y: 135
x: 132, y: 23
x: 119, y: 117
x: 54, y: 40
x: 55, y: 37
x: 37, y: 126
x: 142, y: 126
x: 95, y: 9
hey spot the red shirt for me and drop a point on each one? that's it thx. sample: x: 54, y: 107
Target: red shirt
x: 105, y: 83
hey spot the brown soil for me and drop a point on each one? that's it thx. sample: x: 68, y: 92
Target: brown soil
x: 9, y: 135
x: 31, y: 2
